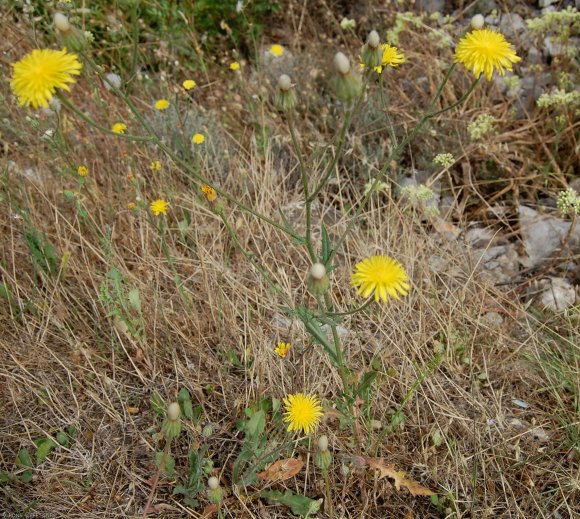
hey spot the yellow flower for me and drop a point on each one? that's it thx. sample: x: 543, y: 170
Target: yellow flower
x: 188, y: 84
x: 119, y: 128
x: 162, y: 104
x: 155, y: 165
x: 303, y: 412
x: 382, y: 275
x: 234, y: 66
x: 159, y: 206
x: 130, y: 176
x: 82, y: 171
x: 131, y: 205
x: 282, y: 349
x: 277, y: 50
x: 484, y: 50
x: 198, y: 138
x: 209, y: 192
x: 37, y: 76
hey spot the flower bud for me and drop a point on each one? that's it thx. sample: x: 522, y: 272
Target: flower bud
x: 284, y: 82
x: 173, y: 411
x: 71, y: 37
x: 341, y: 63
x: 477, y: 21
x: 373, y: 39
x: 318, y: 280
x: 323, y: 457
x: 215, y: 493
x: 286, y: 96
x: 61, y: 23
x: 172, y: 426
x: 347, y: 85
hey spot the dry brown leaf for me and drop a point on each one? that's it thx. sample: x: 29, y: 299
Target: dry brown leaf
x: 401, y: 480
x: 282, y: 469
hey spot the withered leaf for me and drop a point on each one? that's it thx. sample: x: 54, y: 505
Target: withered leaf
x: 282, y: 469
x: 389, y: 471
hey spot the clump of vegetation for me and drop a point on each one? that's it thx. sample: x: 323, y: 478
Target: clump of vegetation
x: 214, y: 299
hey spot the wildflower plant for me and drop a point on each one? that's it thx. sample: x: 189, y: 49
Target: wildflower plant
x: 377, y: 279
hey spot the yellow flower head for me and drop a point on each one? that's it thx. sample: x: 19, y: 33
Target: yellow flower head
x: 198, y: 138
x: 392, y: 56
x: 37, y: 76
x: 282, y: 349
x: 155, y: 165
x: 119, y: 128
x: 82, y: 171
x: 484, y: 50
x: 131, y: 206
x: 277, y: 50
x: 234, y: 66
x: 159, y: 206
x: 188, y: 84
x: 382, y: 275
x: 209, y: 192
x: 162, y: 104
x: 303, y: 412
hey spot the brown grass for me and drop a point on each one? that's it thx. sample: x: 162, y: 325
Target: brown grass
x: 64, y: 360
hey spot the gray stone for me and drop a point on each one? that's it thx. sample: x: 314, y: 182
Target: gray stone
x: 558, y: 295
x: 511, y: 24
x: 543, y: 234
x: 431, y: 6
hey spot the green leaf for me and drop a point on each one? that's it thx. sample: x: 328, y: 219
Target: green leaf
x: 165, y: 462
x: 256, y: 424
x: 23, y: 458
x: 326, y: 245
x: 44, y: 446
x: 5, y: 477
x: 26, y: 476
x: 300, y: 505
x: 366, y: 382
x: 134, y: 299
x: 157, y: 404
x: 233, y: 358
x: 62, y: 439
x: 196, y: 415
x: 184, y: 399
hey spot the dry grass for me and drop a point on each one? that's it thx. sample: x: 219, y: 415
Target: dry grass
x: 65, y: 360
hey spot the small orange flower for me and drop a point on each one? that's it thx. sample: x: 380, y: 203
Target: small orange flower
x: 209, y: 192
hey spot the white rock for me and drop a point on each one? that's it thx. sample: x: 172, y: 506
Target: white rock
x: 543, y: 234
x: 558, y: 295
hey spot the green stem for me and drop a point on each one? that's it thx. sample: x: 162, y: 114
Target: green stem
x: 342, y: 370
x: 96, y: 125
x: 385, y: 103
x: 354, y: 311
x: 304, y: 174
x: 395, y: 153
x: 341, y: 140
x: 252, y: 259
x: 185, y: 165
